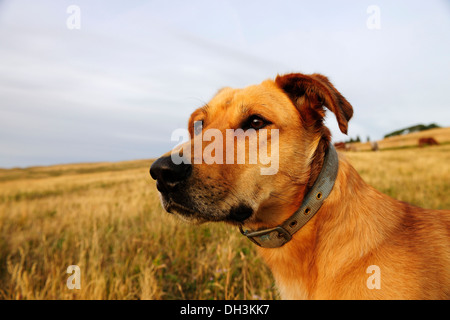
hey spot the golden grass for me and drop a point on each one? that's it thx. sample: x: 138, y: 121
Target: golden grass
x: 111, y: 224
x: 420, y: 176
x: 441, y: 135
x: 107, y: 219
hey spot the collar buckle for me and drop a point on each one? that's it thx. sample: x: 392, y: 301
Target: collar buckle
x: 272, y: 238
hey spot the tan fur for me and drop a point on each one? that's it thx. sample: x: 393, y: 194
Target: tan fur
x: 356, y: 227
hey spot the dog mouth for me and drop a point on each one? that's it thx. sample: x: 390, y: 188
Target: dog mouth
x: 175, y: 206
x: 193, y: 212
x: 239, y: 213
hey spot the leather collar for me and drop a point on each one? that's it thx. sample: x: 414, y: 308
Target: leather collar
x: 280, y: 235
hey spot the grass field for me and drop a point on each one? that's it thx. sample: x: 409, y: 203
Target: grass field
x: 106, y: 218
x: 441, y: 135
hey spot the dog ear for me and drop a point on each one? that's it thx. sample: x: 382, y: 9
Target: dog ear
x: 310, y: 93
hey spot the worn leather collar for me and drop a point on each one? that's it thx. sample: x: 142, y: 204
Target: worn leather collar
x: 280, y: 235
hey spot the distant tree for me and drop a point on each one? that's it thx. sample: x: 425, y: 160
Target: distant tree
x: 418, y: 127
x: 368, y: 139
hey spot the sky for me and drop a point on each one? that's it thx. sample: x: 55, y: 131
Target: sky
x: 117, y: 87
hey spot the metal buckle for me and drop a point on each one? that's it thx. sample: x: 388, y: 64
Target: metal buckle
x: 282, y: 233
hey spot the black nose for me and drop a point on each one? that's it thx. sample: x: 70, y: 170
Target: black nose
x: 168, y: 174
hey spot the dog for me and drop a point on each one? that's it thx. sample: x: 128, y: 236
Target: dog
x: 323, y: 232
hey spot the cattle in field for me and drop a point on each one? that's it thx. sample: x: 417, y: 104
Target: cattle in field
x: 427, y: 141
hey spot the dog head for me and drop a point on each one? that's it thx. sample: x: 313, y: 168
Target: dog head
x: 215, y: 176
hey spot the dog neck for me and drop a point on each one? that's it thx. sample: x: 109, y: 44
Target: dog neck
x: 280, y: 235
x: 305, y: 267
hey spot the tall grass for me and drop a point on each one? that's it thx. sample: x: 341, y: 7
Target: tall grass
x: 420, y: 176
x: 106, y: 218
x: 111, y: 224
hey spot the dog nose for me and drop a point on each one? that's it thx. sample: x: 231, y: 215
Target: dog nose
x: 168, y: 174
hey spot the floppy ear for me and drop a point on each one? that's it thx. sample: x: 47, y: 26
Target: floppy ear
x: 310, y: 93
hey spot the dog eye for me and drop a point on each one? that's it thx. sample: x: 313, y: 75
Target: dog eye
x: 198, y: 127
x: 256, y: 122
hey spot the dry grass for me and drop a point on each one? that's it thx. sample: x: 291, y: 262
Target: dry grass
x: 106, y: 218
x: 441, y: 135
x: 420, y: 176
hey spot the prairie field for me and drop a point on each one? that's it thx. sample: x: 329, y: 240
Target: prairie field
x: 441, y: 135
x: 106, y: 218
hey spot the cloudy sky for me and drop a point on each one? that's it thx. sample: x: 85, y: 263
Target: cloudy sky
x: 117, y: 87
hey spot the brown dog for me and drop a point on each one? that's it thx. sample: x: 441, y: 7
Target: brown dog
x: 348, y: 241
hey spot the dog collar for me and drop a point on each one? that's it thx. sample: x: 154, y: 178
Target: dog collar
x: 280, y: 235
